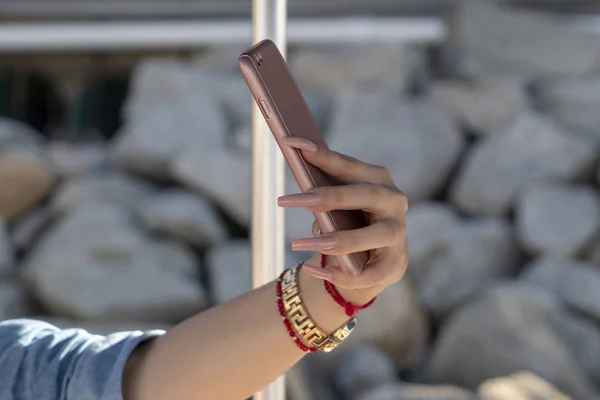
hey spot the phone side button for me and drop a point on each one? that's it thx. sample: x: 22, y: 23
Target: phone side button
x: 265, y: 108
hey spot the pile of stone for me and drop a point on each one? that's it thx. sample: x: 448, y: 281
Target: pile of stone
x: 499, y: 156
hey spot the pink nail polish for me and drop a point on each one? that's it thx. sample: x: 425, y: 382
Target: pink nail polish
x: 315, y: 243
x: 299, y: 200
x: 317, y: 272
x: 300, y: 143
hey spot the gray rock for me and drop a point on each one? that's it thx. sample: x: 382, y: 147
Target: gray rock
x: 13, y: 300
x: 104, y: 327
x: 110, y: 188
x: 309, y: 380
x: 499, y: 167
x: 27, y: 230
x: 333, y: 68
x: 505, y: 330
x: 415, y: 140
x: 524, y: 43
x: 396, y: 324
x: 361, y: 368
x: 171, y: 107
x: 583, y: 338
x: 229, y: 267
x: 522, y: 385
x: 240, y: 139
x: 236, y: 100
x: 25, y: 179
x: 224, y: 176
x: 479, y: 252
x: 485, y: 106
x: 574, y: 282
x: 558, y: 218
x: 320, y: 106
x: 229, y: 270
x: 411, y: 391
x: 594, y: 252
x: 69, y: 160
x: 574, y: 103
x: 16, y: 135
x: 6, y: 249
x: 451, y: 259
x: 183, y: 215
x: 95, y: 264
x: 430, y: 227
x: 220, y: 57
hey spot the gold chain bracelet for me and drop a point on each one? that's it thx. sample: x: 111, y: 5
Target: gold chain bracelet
x: 302, y: 322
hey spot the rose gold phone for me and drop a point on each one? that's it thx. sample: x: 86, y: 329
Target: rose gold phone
x: 285, y: 110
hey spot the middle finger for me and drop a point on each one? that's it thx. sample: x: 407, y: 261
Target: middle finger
x: 379, y: 200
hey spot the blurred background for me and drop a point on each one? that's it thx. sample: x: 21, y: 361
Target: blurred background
x: 125, y: 178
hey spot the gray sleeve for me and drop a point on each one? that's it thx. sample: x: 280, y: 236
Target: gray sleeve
x: 41, y: 362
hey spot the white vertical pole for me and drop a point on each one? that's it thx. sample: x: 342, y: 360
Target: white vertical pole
x: 268, y: 246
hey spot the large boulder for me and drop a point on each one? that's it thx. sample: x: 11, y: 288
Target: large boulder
x: 396, y: 324
x: 183, y: 215
x: 415, y: 140
x: 96, y: 264
x: 505, y: 330
x: 114, y: 188
x: 484, y: 106
x: 558, y: 218
x: 577, y: 283
x: 573, y: 102
x: 171, y: 107
x: 499, y: 167
x: 492, y: 40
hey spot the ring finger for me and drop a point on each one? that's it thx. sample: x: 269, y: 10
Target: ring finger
x: 380, y: 234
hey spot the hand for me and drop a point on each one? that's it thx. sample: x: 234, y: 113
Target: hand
x: 365, y: 187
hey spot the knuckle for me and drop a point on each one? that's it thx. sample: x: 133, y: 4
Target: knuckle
x: 335, y: 195
x: 402, y: 201
x: 350, y: 241
x: 382, y: 171
x: 392, y: 231
x: 330, y: 195
x: 379, y: 276
x: 348, y: 159
x: 374, y: 190
x: 400, y: 271
x: 401, y: 266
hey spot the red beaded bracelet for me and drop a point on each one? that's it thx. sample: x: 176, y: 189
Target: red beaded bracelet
x: 287, y: 323
x: 350, y: 309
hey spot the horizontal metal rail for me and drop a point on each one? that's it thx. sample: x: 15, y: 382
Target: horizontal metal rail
x: 133, y: 35
x: 49, y: 9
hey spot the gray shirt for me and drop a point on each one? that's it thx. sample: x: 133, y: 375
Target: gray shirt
x: 41, y: 362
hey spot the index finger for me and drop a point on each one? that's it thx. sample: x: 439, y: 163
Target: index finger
x: 345, y: 168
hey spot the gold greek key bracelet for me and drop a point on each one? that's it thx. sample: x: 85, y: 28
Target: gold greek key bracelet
x: 302, y: 322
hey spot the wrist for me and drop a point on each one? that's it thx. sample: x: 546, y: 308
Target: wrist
x: 319, y: 304
x: 359, y: 297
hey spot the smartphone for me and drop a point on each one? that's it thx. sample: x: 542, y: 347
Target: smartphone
x: 287, y: 114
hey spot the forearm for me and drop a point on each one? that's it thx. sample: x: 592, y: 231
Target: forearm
x: 228, y: 352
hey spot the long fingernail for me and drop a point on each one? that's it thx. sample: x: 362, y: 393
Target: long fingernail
x: 317, y: 272
x: 300, y: 143
x: 299, y: 200
x: 315, y: 243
